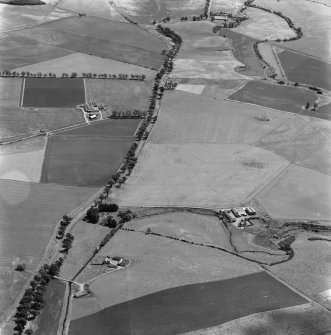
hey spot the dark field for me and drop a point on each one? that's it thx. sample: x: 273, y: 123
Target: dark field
x: 83, y: 161
x: 119, y: 95
x: 243, y: 51
x: 54, y: 93
x: 188, y: 308
x: 306, y: 70
x: 17, y: 51
x: 48, y: 320
x: 17, y: 121
x: 106, y: 128
x: 286, y: 98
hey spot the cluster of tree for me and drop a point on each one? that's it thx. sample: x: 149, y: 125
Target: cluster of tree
x: 109, y: 221
x: 313, y: 108
x: 120, y: 76
x: 166, y: 19
x: 206, y: 9
x: 63, y: 225
x: 285, y: 245
x: 33, y: 301
x: 27, y: 74
x: 184, y: 18
x: 318, y: 91
x: 199, y: 17
x: 92, y: 215
x: 130, y: 158
x: 141, y: 130
x: 136, y: 114
x: 126, y: 216
x: 112, y: 207
x: 234, y: 21
x: 23, y: 2
x: 67, y: 243
x: 298, y: 30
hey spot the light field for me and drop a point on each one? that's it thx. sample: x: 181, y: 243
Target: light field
x: 263, y: 25
x: 298, y: 194
x: 197, y: 175
x: 10, y: 92
x: 268, y: 55
x: 226, y: 6
x: 81, y: 63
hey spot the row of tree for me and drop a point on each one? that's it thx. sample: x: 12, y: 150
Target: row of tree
x: 136, y: 114
x: 63, y: 225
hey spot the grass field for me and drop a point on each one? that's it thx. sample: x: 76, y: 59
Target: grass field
x: 307, y: 270
x: 243, y: 51
x: 197, y: 175
x: 180, y: 310
x: 222, y: 89
x: 266, y: 50
x: 83, y: 160
x: 10, y: 92
x: 192, y: 227
x: 303, y: 141
x: 313, y: 18
x: 119, y: 95
x: 17, y: 121
x: 263, y: 25
x: 305, y: 70
x: 301, y: 319
x: 226, y: 6
x: 156, y: 264
x: 81, y: 63
x: 48, y: 320
x: 286, y: 98
x: 53, y: 92
x: 189, y: 118
x: 18, y: 51
x: 106, y: 128
x: 212, y: 65
x: 25, y: 229
x: 299, y: 193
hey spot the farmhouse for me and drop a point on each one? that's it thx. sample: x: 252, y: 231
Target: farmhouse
x: 238, y: 216
x: 221, y: 18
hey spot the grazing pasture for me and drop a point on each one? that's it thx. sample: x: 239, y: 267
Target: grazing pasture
x: 243, y: 51
x: 299, y: 193
x: 213, y: 65
x: 157, y: 264
x: 10, y: 92
x: 263, y: 25
x: 54, y: 93
x: 187, y: 118
x: 197, y: 175
x: 18, y: 121
x: 286, y: 98
x: 221, y: 301
x: 312, y: 255
x: 49, y: 318
x: 300, y: 319
x: 81, y: 63
x: 83, y: 160
x: 306, y: 70
x: 18, y: 50
x: 119, y: 96
x: 25, y: 229
x: 313, y: 18
x: 301, y: 140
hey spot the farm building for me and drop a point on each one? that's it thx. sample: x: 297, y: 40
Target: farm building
x: 221, y: 18
x: 250, y: 211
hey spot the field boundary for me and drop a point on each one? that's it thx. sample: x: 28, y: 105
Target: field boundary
x: 22, y: 93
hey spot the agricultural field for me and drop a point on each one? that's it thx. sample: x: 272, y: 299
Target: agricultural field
x: 268, y: 54
x: 289, y: 320
x: 25, y: 229
x: 305, y: 70
x: 220, y: 90
x: 10, y: 92
x: 308, y: 271
x: 226, y: 6
x: 18, y: 51
x: 157, y: 264
x: 192, y: 227
x: 197, y: 175
x: 299, y: 193
x: 263, y: 25
x: 313, y: 18
x: 301, y: 140
x: 65, y: 93
x: 286, y: 98
x: 188, y: 118
x: 19, y: 121
x: 120, y: 96
x: 81, y: 63
x: 242, y: 46
x: 213, y: 65
x: 145, y: 11
x: 98, y: 8
x: 48, y: 320
x: 84, y: 161
x: 181, y: 310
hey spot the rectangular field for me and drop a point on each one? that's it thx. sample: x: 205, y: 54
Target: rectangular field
x: 178, y: 310
x: 10, y: 92
x: 121, y: 95
x: 40, y: 92
x: 306, y: 70
x: 286, y: 98
x: 83, y: 160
